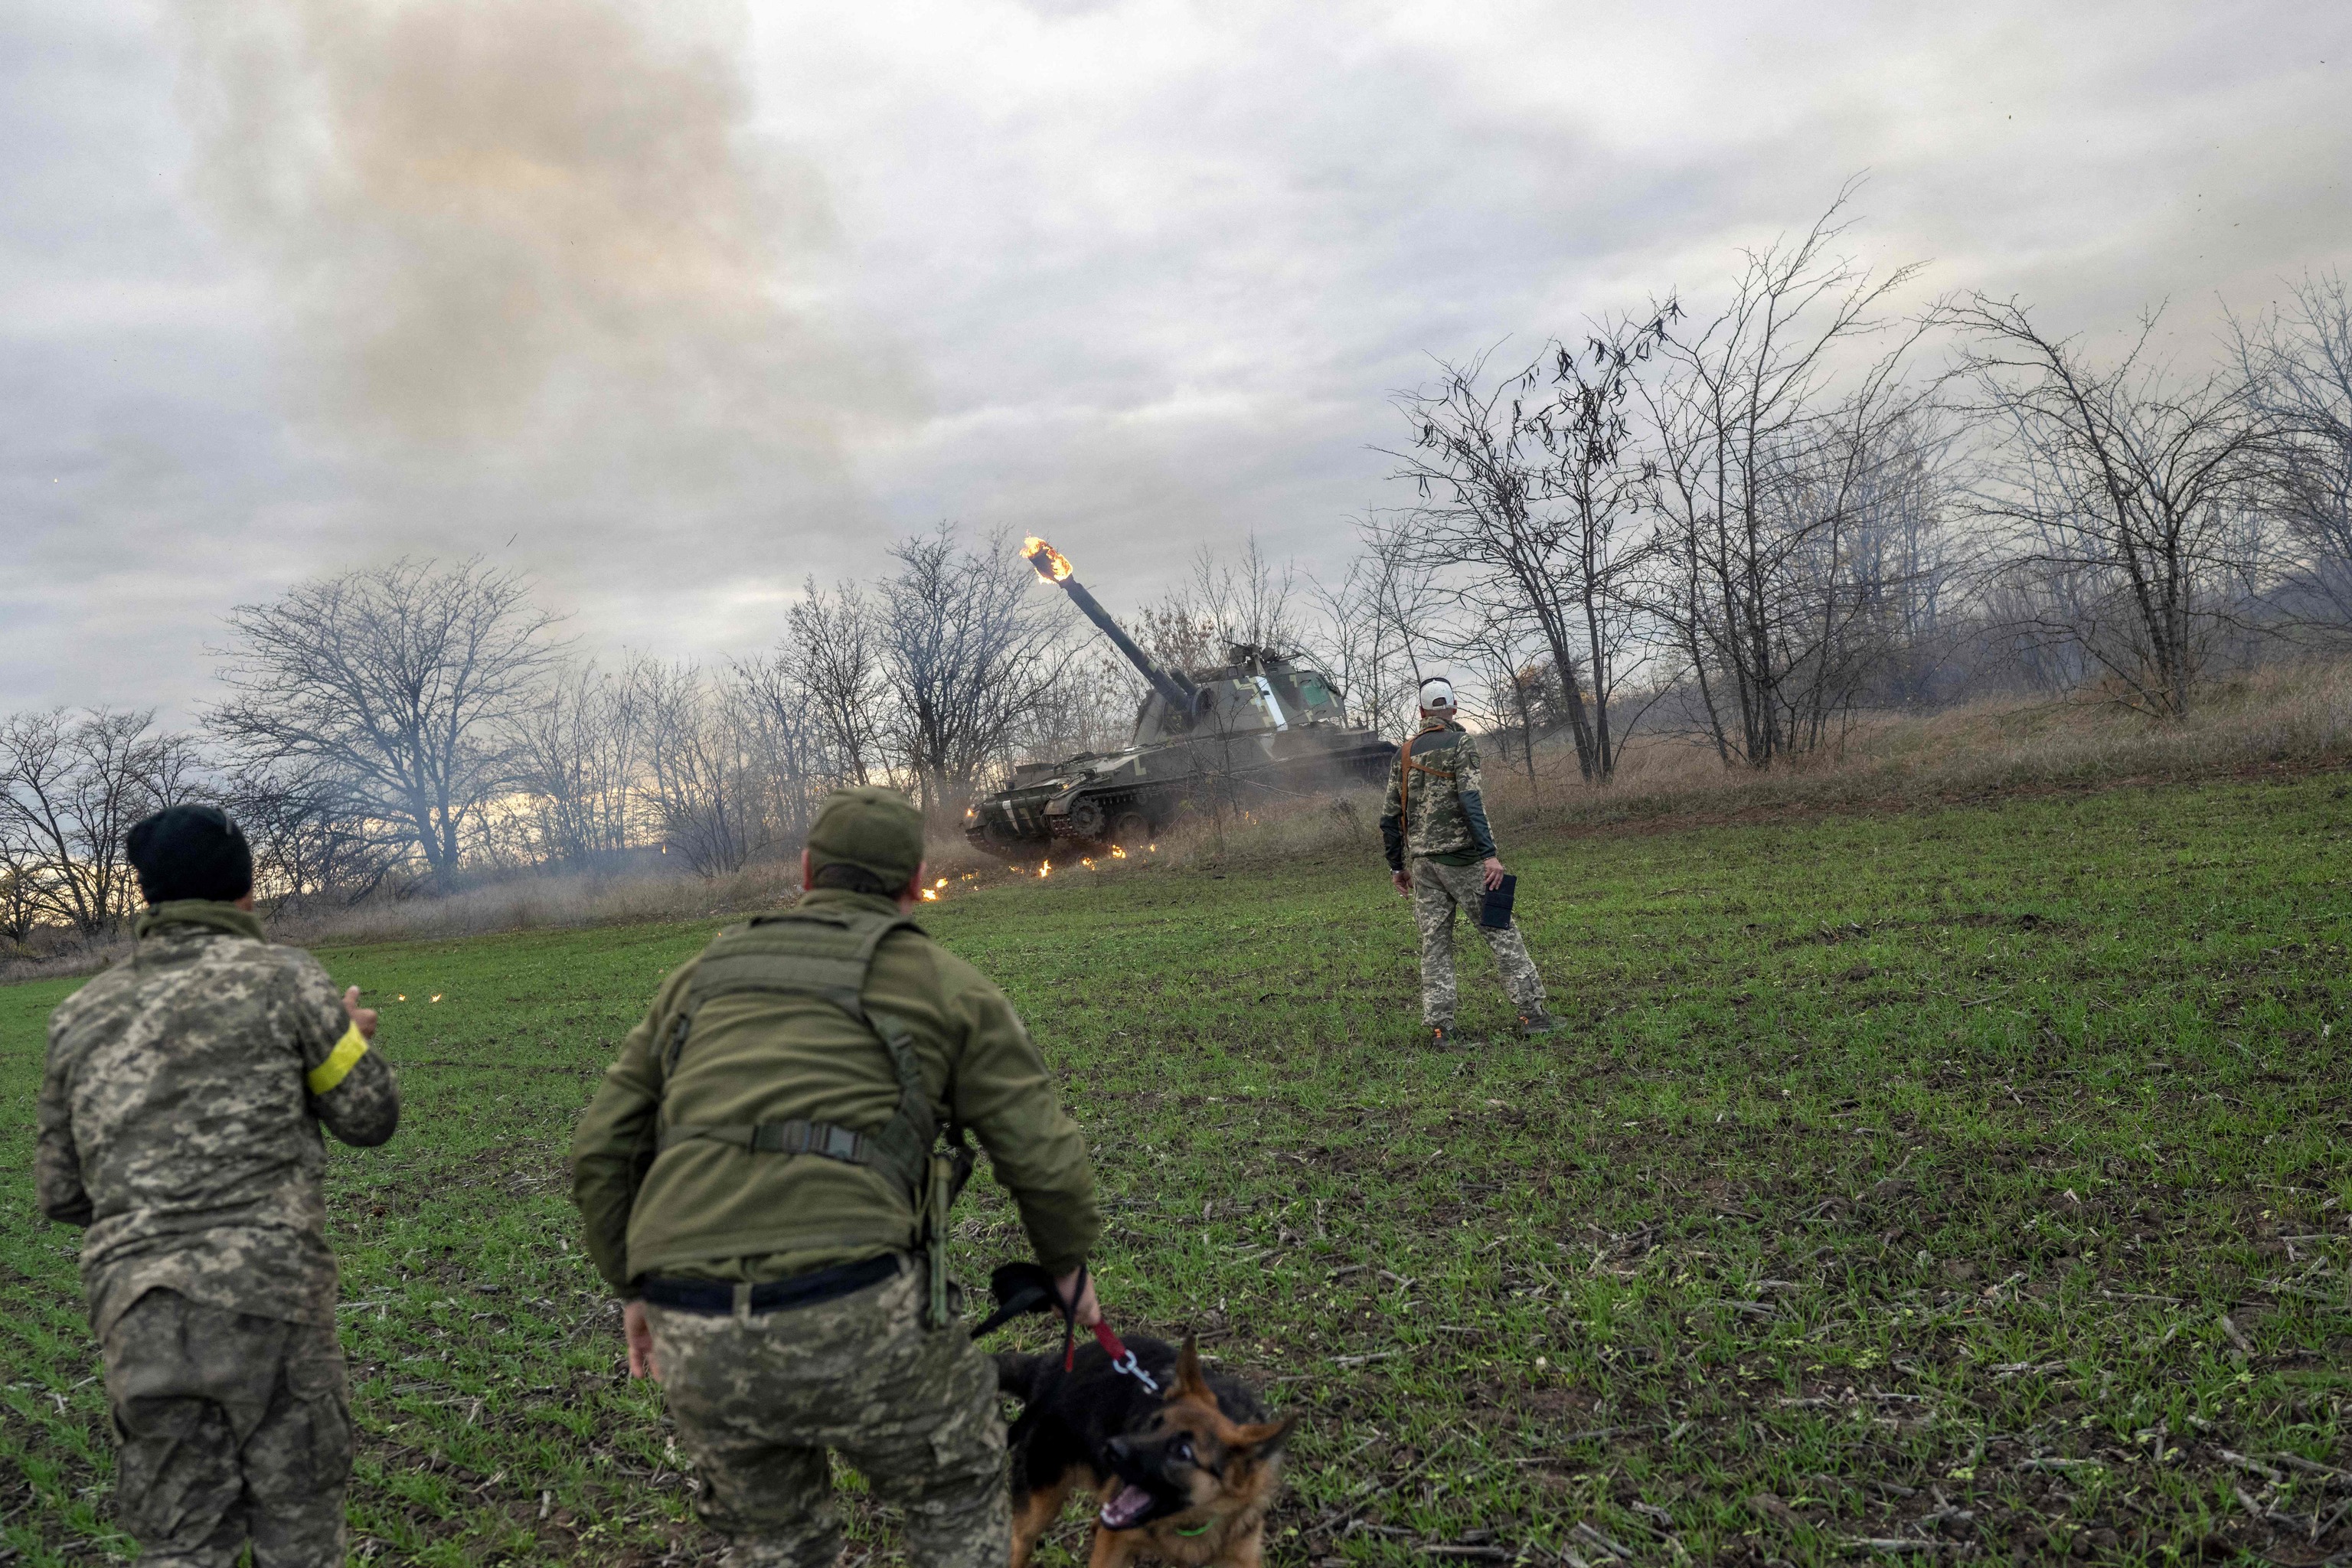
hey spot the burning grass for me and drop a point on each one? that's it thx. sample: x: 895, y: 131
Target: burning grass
x: 1963, y: 1180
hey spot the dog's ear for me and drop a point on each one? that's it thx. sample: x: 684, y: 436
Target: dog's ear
x: 1190, y: 1384
x: 1267, y: 1439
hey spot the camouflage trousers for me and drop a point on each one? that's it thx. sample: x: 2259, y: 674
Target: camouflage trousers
x: 758, y: 1398
x: 1438, y: 891
x: 233, y: 1428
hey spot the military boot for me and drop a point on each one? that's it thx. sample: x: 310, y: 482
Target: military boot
x: 1538, y: 1024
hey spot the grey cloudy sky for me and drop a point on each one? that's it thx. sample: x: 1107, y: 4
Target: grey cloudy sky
x: 674, y: 304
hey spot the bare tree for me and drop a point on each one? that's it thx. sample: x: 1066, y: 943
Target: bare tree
x: 1245, y: 603
x: 310, y: 839
x: 1092, y: 707
x: 1478, y: 463
x: 70, y: 789
x: 580, y: 753
x: 1758, y: 474
x: 707, y: 792
x: 1380, y: 622
x: 2296, y: 366
x: 1904, y: 570
x: 1859, y: 512
x: 1178, y: 633
x: 2124, y: 495
x: 402, y: 681
x: 787, y: 735
x: 1499, y: 649
x: 1529, y: 484
x: 834, y: 653
x: 21, y: 905
x: 967, y: 650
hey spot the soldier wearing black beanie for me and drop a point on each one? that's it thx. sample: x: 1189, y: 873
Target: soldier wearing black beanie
x: 191, y: 852
x: 179, y: 1121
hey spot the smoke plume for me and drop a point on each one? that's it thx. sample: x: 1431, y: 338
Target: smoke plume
x: 535, y: 242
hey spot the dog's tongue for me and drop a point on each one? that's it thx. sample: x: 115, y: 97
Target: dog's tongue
x: 1130, y: 1505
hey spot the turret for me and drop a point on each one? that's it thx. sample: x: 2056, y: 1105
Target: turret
x: 1175, y: 688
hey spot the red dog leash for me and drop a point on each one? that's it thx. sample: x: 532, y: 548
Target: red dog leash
x: 1122, y: 1360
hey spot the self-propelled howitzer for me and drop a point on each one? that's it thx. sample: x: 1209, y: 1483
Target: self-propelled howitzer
x: 1262, y: 727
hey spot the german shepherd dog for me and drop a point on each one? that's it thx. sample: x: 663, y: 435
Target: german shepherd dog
x: 1185, y: 1476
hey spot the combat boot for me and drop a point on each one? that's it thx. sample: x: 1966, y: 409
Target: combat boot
x: 1533, y: 1024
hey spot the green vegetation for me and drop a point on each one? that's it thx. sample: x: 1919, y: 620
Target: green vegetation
x: 1973, y: 1174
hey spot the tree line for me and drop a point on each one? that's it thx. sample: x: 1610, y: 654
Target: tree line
x: 401, y: 729
x: 1746, y: 525
x: 1750, y: 525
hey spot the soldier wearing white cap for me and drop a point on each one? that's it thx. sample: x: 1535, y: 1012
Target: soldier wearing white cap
x: 1435, y: 819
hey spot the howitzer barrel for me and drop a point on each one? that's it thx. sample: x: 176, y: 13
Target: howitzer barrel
x: 1054, y: 567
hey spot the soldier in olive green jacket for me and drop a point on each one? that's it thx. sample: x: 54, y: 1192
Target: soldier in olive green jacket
x: 757, y: 1178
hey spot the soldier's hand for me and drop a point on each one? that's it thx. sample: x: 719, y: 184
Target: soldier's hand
x: 362, y: 1018
x: 1089, y: 1309
x: 1403, y: 880
x: 1494, y: 873
x: 640, y: 1335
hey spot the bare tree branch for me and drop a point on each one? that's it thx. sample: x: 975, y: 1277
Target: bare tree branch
x: 2126, y: 500
x: 400, y: 682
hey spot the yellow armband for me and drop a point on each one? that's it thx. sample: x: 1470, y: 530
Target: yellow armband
x: 340, y: 1061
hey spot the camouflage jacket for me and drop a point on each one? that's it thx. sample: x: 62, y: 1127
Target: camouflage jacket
x: 1434, y: 807
x: 179, y: 1114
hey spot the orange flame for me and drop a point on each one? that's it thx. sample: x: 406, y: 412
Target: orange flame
x: 930, y: 895
x: 1045, y: 869
x: 1050, y: 563
x: 941, y: 883
x: 1117, y: 853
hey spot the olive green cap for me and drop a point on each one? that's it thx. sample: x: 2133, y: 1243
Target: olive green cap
x: 871, y: 826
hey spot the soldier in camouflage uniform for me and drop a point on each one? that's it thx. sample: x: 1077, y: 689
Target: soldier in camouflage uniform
x: 1436, y: 815
x: 757, y: 1178
x: 179, y: 1122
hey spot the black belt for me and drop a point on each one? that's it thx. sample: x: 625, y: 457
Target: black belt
x: 717, y: 1297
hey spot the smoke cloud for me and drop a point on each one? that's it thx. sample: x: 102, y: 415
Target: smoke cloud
x: 452, y: 274
x: 534, y: 247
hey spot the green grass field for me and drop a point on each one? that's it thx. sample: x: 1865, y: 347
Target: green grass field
x: 1963, y: 1182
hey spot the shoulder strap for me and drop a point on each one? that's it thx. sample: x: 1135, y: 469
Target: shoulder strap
x: 753, y: 959
x: 1404, y: 783
x: 1408, y: 765
x: 1413, y: 763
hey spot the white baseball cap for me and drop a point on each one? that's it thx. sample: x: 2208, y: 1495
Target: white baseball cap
x: 1436, y: 692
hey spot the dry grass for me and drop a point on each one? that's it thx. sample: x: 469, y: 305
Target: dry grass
x: 2294, y: 715
x: 2285, y: 716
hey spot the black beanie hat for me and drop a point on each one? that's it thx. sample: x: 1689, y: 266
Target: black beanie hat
x: 191, y: 852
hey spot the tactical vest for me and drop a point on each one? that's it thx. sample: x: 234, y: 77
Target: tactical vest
x: 827, y: 954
